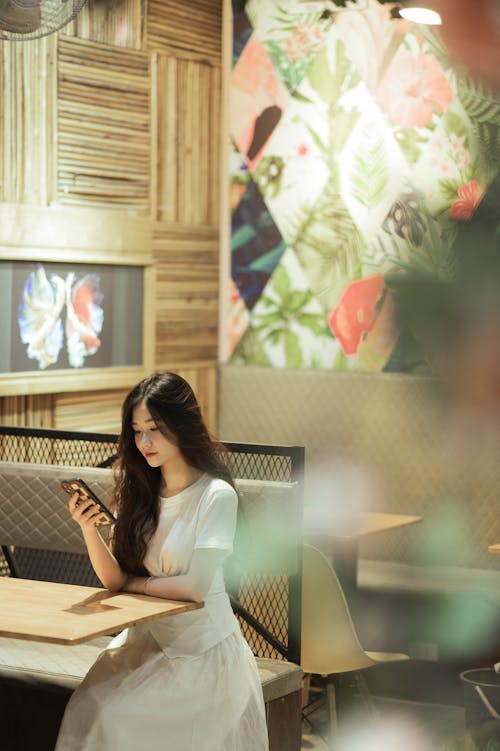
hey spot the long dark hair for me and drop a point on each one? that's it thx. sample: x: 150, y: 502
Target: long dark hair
x: 173, y: 405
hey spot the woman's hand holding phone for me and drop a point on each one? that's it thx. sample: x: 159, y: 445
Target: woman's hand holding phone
x: 84, y: 506
x: 85, y: 512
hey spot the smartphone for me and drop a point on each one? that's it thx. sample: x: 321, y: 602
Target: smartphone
x: 75, y: 485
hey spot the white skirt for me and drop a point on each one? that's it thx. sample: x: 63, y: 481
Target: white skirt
x: 135, y: 698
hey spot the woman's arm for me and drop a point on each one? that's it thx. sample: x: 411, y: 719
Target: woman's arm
x: 193, y: 585
x: 105, y: 565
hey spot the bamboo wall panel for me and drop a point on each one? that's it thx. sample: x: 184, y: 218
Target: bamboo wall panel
x: 187, y: 286
x: 35, y: 411
x: 188, y: 148
x: 192, y: 29
x: 100, y: 412
x: 94, y: 411
x: 28, y: 122
x: 104, y: 126
x: 113, y: 22
x: 118, y: 115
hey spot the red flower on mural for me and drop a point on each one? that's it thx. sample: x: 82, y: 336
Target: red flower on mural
x: 357, y: 314
x: 413, y: 87
x: 470, y: 195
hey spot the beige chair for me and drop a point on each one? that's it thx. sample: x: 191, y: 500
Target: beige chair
x: 329, y: 643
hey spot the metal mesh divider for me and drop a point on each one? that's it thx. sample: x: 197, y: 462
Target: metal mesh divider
x: 269, y: 607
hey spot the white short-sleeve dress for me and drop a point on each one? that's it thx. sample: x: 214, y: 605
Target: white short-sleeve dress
x: 187, y: 682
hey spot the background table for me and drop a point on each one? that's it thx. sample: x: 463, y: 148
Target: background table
x: 71, y: 614
x: 342, y: 544
x: 494, y: 548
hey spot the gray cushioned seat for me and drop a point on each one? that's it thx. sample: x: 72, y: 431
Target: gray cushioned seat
x: 58, y: 667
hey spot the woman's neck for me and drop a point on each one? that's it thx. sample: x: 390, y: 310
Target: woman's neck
x: 178, y: 478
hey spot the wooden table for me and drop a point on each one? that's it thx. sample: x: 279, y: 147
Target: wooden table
x: 342, y: 544
x: 71, y: 614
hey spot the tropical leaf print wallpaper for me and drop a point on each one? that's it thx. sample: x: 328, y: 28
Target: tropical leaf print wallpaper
x: 357, y: 151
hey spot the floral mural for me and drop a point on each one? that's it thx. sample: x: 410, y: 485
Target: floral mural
x: 357, y: 153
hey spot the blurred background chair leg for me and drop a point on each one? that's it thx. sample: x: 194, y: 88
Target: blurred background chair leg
x: 364, y: 693
x: 331, y: 696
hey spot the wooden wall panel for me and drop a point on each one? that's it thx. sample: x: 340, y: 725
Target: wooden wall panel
x: 187, y: 285
x: 104, y: 126
x: 36, y: 411
x: 119, y: 114
x: 185, y: 29
x: 188, y: 133
x: 100, y: 411
x: 94, y: 411
x: 118, y: 23
x: 28, y: 123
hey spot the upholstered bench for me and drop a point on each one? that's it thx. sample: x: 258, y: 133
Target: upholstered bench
x: 37, y: 679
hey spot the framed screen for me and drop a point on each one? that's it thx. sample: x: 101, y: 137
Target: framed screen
x: 71, y: 319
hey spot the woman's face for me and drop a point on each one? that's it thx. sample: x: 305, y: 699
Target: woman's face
x: 157, y: 449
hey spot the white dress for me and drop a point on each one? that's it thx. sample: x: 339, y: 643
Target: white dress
x: 187, y: 682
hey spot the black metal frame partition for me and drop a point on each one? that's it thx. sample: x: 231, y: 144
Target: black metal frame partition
x: 271, y: 624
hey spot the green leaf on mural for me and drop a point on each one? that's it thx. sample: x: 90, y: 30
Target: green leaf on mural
x: 484, y: 171
x: 242, y: 236
x: 297, y: 299
x: 483, y: 109
x: 280, y: 283
x: 409, y: 141
x: 341, y: 362
x: 315, y: 322
x: 320, y: 76
x: 433, y: 258
x: 345, y: 74
x: 269, y: 260
x: 301, y: 98
x: 317, y: 140
x: 291, y: 71
x: 479, y: 102
x: 453, y: 123
x: 250, y: 350
x: 328, y: 246
x: 449, y: 189
x: 370, y: 174
x: 273, y: 335
x: 293, y: 351
x: 343, y: 123
x: 267, y: 320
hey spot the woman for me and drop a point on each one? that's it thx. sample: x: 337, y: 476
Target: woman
x: 187, y: 682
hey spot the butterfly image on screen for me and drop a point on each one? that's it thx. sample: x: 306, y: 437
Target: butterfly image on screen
x: 43, y: 302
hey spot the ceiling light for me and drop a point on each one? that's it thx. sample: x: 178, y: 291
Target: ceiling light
x: 421, y: 15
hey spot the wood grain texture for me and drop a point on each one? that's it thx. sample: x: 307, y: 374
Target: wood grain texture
x: 52, y: 612
x: 187, y: 288
x: 182, y: 28
x: 28, y: 121
x: 188, y: 141
x: 33, y: 410
x: 100, y: 411
x: 110, y: 149
x: 92, y: 411
x: 104, y: 126
x: 117, y: 23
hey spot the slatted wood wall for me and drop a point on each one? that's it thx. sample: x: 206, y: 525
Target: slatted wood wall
x: 120, y: 114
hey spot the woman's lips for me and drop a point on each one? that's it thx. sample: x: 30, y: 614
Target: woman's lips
x: 149, y: 454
